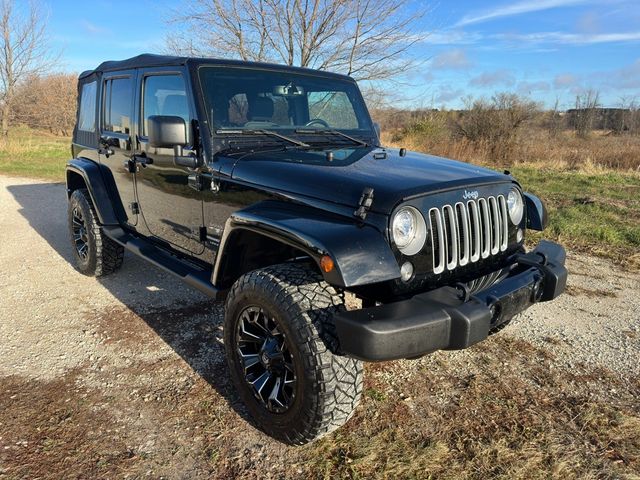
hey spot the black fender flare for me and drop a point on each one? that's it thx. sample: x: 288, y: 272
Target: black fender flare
x: 537, y: 217
x: 360, y: 252
x: 93, y: 175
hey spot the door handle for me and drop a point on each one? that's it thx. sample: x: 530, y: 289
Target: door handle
x: 106, y: 151
x: 131, y: 165
x: 142, y: 160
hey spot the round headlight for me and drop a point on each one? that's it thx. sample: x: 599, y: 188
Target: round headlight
x: 515, y: 206
x: 409, y: 230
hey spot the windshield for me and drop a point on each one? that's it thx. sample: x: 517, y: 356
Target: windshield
x: 256, y: 99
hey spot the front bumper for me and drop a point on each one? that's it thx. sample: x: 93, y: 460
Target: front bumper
x: 449, y: 318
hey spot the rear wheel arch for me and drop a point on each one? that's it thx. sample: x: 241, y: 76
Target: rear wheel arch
x: 75, y: 181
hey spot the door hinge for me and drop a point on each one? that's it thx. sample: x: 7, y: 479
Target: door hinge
x: 366, y: 200
x: 199, y: 182
x: 202, y: 233
x: 135, y: 208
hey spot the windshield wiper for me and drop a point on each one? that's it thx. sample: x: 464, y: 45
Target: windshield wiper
x: 333, y: 132
x: 269, y: 133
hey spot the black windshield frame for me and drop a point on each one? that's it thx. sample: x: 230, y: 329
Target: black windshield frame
x: 211, y: 92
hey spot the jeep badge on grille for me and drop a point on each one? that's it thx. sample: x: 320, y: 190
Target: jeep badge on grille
x: 468, y: 195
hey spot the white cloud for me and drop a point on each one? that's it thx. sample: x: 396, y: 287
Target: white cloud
x: 564, y: 80
x: 449, y: 37
x: 518, y: 8
x: 451, y: 60
x: 569, y: 38
x: 492, y: 79
x: 528, y: 88
x: 448, y: 94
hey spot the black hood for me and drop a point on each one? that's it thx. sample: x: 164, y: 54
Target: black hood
x: 343, y: 179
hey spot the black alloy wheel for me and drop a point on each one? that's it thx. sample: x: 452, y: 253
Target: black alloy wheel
x: 266, y: 359
x: 79, y: 232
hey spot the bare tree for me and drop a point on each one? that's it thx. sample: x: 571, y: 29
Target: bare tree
x: 585, y: 112
x: 496, y: 123
x: 367, y: 39
x: 630, y: 115
x: 23, y: 50
x: 554, y: 120
x: 46, y: 102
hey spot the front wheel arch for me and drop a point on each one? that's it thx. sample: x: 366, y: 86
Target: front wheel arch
x: 248, y: 250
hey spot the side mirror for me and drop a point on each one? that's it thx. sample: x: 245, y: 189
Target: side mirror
x: 376, y: 127
x: 166, y: 131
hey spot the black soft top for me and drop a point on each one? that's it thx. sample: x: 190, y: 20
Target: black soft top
x: 153, y: 60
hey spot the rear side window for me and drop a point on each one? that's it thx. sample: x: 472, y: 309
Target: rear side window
x: 164, y: 95
x: 87, y: 111
x: 117, y: 105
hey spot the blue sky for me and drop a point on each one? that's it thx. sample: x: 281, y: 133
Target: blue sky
x: 546, y: 49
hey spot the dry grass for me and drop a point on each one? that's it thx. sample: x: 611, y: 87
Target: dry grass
x: 509, y: 412
x: 504, y: 409
x: 565, y: 152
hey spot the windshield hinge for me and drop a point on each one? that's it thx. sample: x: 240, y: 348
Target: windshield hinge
x: 366, y: 200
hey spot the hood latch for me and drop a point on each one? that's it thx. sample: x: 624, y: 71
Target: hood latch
x: 366, y: 200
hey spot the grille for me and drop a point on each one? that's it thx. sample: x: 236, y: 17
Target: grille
x: 467, y: 232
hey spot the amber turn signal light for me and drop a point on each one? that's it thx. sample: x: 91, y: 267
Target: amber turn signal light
x: 326, y: 263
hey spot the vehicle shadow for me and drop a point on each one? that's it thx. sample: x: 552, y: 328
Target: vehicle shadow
x: 188, y: 321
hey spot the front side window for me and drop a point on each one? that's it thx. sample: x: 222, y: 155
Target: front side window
x: 164, y: 95
x: 117, y: 105
x: 87, y: 109
x: 242, y: 98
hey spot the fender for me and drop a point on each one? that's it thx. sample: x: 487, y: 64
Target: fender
x: 360, y: 252
x: 537, y: 217
x: 94, y: 176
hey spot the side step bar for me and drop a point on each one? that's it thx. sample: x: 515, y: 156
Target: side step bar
x: 190, y: 274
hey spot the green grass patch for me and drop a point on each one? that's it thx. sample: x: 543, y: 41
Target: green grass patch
x: 599, y: 213
x: 34, y: 154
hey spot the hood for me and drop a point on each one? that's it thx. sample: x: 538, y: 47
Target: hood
x: 342, y: 180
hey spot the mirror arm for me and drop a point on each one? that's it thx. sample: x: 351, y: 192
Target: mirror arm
x: 190, y: 161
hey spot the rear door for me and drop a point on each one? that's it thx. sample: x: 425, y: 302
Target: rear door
x: 116, y: 131
x: 172, y: 210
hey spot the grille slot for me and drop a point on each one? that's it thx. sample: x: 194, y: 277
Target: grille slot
x: 466, y: 232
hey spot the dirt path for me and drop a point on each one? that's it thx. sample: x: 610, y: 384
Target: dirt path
x: 125, y: 375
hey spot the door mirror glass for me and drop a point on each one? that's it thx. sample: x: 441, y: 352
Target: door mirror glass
x: 166, y: 131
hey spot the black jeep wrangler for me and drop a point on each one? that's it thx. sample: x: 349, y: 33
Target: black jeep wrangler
x: 266, y: 186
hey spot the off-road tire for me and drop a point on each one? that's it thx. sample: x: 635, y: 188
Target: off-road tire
x: 329, y: 385
x: 103, y: 255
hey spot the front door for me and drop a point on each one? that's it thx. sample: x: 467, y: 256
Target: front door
x: 116, y: 136
x: 171, y: 210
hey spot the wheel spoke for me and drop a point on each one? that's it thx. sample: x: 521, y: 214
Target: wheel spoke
x: 249, y: 360
x: 247, y: 336
x: 276, y: 391
x: 260, y: 382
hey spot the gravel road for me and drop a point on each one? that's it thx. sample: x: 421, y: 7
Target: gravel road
x: 135, y: 341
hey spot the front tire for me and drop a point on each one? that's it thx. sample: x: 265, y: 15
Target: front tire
x: 95, y: 254
x: 283, y: 354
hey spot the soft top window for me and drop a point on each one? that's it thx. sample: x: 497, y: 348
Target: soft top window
x: 87, y: 108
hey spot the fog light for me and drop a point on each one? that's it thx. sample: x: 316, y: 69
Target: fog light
x: 519, y: 235
x: 406, y: 271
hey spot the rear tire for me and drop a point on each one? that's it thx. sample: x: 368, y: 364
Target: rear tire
x: 291, y: 377
x: 94, y: 253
